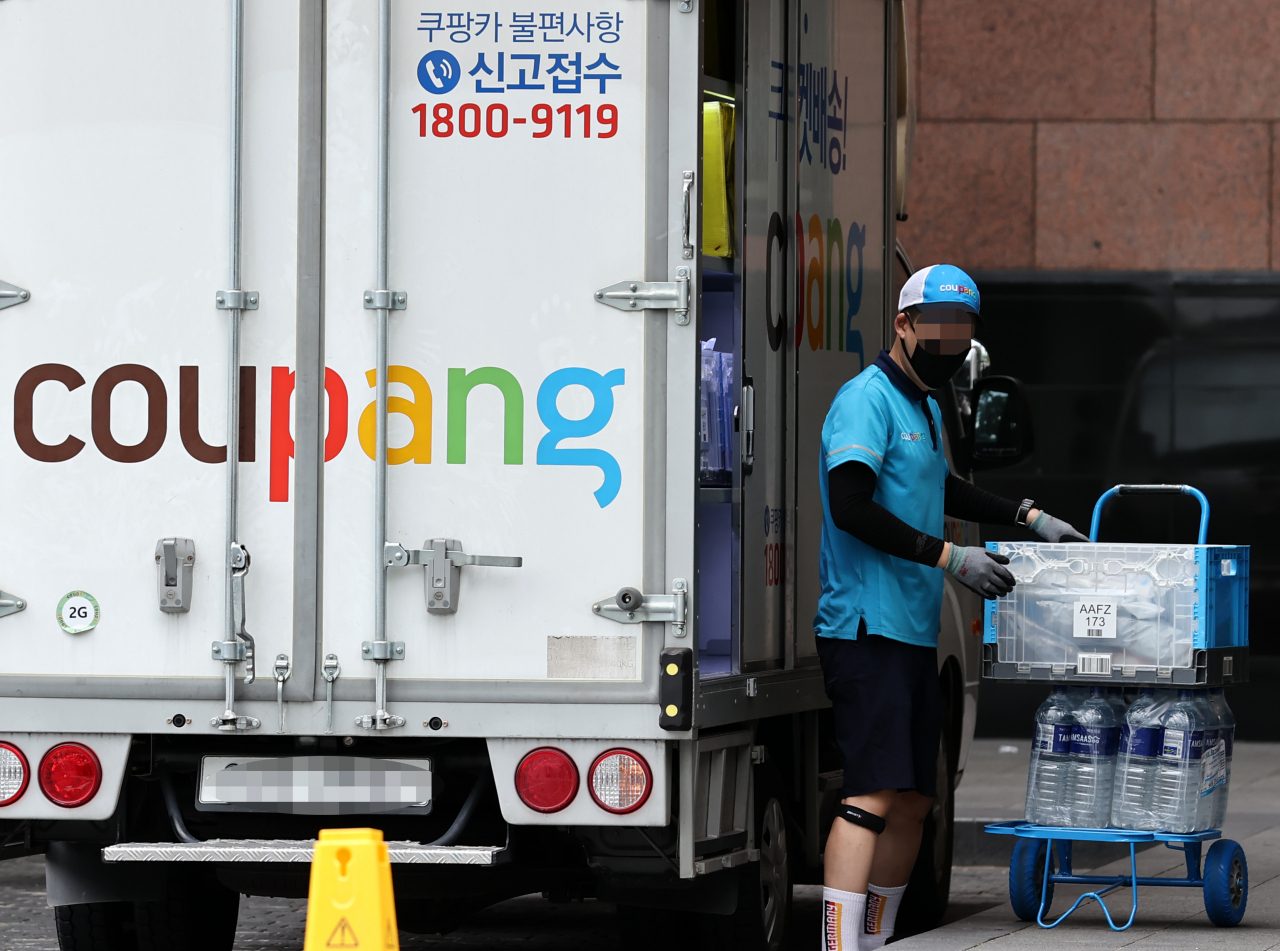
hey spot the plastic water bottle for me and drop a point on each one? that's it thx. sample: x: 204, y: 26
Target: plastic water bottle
x: 1140, y: 736
x: 1050, y: 772
x: 1227, y: 734
x: 1094, y: 740
x: 1115, y: 697
x: 1177, y: 788
x: 1213, y: 765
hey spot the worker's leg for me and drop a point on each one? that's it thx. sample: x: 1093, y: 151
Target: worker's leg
x: 900, y: 842
x: 850, y: 852
x: 870, y: 681
x: 891, y: 868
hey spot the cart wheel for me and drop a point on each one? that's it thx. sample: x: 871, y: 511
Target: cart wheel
x: 1026, y: 875
x: 1226, y: 883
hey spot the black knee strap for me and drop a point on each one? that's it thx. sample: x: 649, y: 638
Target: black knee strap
x: 860, y: 817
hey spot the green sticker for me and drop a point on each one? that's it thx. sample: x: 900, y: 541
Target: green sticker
x: 78, y: 612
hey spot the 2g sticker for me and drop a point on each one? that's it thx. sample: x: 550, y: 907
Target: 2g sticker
x: 1094, y: 618
x: 78, y: 612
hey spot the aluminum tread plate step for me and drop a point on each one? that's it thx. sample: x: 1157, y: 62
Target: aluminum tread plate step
x: 294, y: 850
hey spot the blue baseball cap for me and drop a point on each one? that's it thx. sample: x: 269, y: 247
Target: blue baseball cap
x: 940, y: 285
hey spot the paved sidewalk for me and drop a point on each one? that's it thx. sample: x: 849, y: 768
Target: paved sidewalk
x: 1168, y: 918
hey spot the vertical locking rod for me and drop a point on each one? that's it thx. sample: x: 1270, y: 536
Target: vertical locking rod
x: 381, y: 719
x: 237, y: 558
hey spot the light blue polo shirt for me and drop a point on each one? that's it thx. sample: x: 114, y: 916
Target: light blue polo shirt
x: 873, y: 421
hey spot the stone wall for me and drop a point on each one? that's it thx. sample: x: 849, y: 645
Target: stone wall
x: 1095, y: 134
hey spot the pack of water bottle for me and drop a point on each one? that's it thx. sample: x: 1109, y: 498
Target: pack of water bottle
x: 1161, y: 763
x: 715, y: 460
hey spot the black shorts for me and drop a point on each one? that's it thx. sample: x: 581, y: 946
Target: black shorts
x: 888, y: 712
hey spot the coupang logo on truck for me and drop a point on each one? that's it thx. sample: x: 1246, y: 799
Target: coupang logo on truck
x: 827, y: 297
x: 418, y: 410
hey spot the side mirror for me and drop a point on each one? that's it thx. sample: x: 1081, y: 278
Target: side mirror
x: 1002, y: 432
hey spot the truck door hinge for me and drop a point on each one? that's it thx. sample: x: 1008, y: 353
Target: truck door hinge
x: 443, y: 557
x: 629, y: 606
x: 11, y: 604
x: 651, y: 295
x: 11, y: 295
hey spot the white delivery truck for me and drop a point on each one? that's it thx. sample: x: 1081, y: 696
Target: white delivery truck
x: 415, y: 415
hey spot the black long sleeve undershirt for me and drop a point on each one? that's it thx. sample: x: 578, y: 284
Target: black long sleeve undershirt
x: 850, y: 489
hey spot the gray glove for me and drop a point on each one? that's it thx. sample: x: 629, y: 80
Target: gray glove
x: 1055, y: 529
x: 980, y: 571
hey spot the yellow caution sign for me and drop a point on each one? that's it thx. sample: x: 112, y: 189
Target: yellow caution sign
x: 351, y: 904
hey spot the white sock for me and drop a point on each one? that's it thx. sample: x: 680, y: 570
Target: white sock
x: 882, y: 912
x: 842, y: 914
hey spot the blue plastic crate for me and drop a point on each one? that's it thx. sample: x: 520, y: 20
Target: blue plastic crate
x: 1093, y: 611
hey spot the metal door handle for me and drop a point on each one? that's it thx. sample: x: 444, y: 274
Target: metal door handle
x: 442, y: 557
x: 688, y: 215
x: 460, y: 558
x: 748, y: 427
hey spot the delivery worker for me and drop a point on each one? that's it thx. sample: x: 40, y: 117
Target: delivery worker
x: 885, y: 486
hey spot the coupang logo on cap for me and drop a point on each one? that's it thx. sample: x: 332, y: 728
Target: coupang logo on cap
x: 960, y: 289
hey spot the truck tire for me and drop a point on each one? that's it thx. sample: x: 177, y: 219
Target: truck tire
x: 199, y: 915
x: 764, y: 887
x: 97, y: 926
x: 929, y: 888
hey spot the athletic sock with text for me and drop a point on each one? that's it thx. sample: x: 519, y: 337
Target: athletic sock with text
x: 842, y: 914
x: 881, y: 913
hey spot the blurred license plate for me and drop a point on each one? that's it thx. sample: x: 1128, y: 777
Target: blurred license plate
x: 315, y: 785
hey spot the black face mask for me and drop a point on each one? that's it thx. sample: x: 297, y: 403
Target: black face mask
x: 934, y: 369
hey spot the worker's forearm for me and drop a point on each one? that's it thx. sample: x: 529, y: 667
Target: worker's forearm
x: 850, y: 488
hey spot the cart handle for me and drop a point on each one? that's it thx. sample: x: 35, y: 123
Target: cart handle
x: 1152, y: 490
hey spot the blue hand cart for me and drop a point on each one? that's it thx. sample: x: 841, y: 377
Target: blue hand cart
x: 1224, y: 878
x: 1042, y: 856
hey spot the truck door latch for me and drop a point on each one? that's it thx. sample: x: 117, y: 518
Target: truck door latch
x: 443, y: 558
x: 629, y: 606
x: 651, y: 295
x: 175, y: 564
x: 238, y: 647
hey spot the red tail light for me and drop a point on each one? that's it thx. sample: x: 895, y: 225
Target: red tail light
x: 14, y: 774
x: 70, y: 775
x: 547, y: 779
x: 620, y: 781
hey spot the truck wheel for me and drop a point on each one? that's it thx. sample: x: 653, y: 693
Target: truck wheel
x: 199, y: 915
x: 98, y: 926
x: 929, y: 888
x: 764, y: 887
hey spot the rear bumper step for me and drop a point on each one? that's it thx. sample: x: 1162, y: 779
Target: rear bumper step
x: 294, y: 850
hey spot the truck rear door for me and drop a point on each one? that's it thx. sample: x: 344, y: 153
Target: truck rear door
x: 528, y: 417
x: 115, y: 184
